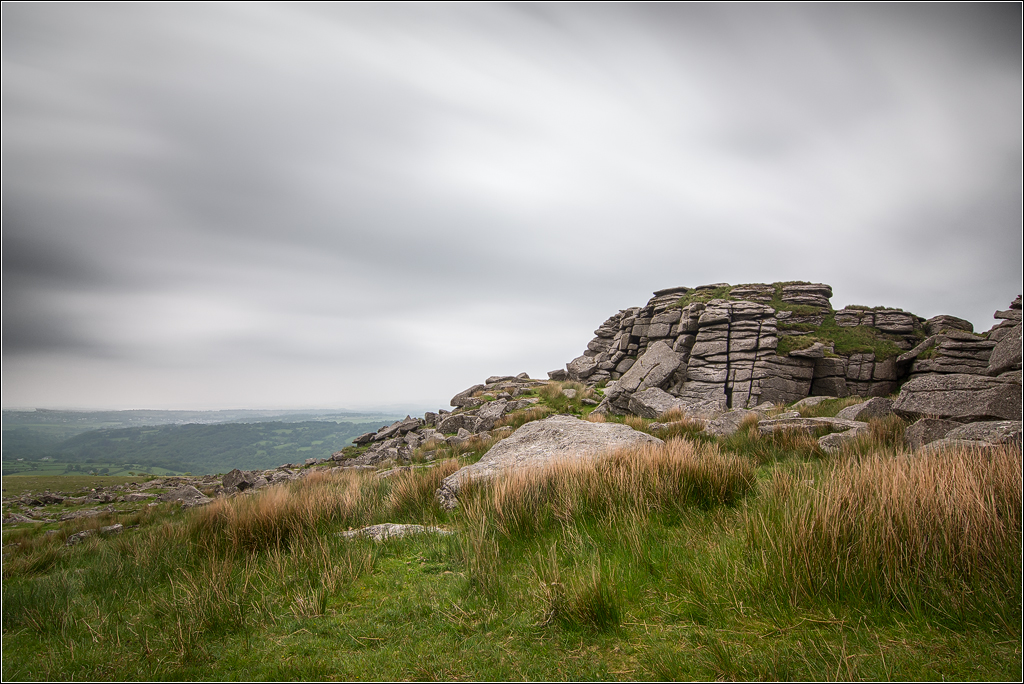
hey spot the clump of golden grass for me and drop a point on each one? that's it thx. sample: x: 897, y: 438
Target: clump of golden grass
x: 517, y: 419
x: 634, y: 481
x: 899, y: 527
x: 276, y: 515
x: 412, y: 491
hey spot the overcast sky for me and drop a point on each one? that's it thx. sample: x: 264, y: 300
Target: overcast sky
x: 277, y: 206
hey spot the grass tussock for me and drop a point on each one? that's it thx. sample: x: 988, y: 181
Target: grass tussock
x: 643, y: 480
x: 517, y: 419
x: 412, y: 491
x: 938, y: 531
x: 776, y: 446
x: 829, y: 408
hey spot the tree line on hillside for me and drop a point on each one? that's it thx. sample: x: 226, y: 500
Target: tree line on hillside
x: 192, y: 448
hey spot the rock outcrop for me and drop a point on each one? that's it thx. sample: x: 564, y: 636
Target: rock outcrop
x: 727, y: 347
x: 750, y: 344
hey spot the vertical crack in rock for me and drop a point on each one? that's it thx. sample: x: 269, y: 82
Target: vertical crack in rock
x: 728, y: 361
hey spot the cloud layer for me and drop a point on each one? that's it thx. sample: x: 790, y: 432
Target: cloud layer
x: 356, y: 205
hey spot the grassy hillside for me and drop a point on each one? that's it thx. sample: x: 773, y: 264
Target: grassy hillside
x: 198, y: 449
x: 745, y: 558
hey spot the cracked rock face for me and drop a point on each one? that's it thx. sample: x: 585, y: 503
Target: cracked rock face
x: 539, y: 443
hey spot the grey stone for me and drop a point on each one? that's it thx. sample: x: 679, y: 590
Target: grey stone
x: 815, y: 351
x: 938, y: 324
x: 812, y: 401
x: 928, y: 430
x: 188, y: 496
x: 457, y: 421
x: 876, y: 407
x: 463, y: 398
x: 652, y: 402
x: 1006, y: 355
x: 385, y: 531
x: 727, y: 423
x: 834, y: 441
x: 489, y: 413
x: 965, y: 398
x: 497, y: 378
x: 116, y: 528
x: 539, y: 443
x: 581, y: 367
x: 652, y: 369
x: 559, y: 374
x: 989, y: 431
x: 807, y: 424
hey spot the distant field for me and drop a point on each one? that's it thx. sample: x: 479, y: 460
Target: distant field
x: 198, y: 449
x: 13, y: 485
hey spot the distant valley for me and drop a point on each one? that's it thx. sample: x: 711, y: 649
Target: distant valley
x: 45, y: 442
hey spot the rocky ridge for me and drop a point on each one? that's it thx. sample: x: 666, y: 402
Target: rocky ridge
x: 717, y: 354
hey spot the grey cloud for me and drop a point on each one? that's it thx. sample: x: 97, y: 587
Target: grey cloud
x: 245, y: 189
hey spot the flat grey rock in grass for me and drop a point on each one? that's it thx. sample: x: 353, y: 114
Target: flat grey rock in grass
x: 961, y: 397
x: 811, y: 401
x: 876, y: 407
x: 653, y: 402
x: 393, y: 530
x: 727, y: 423
x: 807, y: 424
x: 539, y: 443
x: 990, y: 431
x: 927, y: 430
x: 833, y: 442
x: 187, y: 496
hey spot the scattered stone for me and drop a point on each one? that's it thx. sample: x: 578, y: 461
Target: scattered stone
x: 15, y: 518
x: 727, y: 423
x: 989, y: 431
x: 809, y: 425
x: 812, y: 401
x: 539, y: 443
x: 876, y: 407
x: 961, y: 397
x: 237, y: 479
x: 392, y: 530
x: 116, y: 528
x: 188, y: 496
x: 927, y: 430
x: 79, y: 537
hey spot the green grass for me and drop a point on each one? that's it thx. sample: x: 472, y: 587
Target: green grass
x: 673, y: 564
x: 13, y: 485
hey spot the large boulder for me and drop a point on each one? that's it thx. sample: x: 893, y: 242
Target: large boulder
x: 653, y: 402
x: 988, y: 431
x: 961, y: 397
x: 239, y: 479
x: 652, y: 369
x: 465, y: 397
x: 456, y: 421
x: 927, y: 430
x: 539, y: 443
x: 876, y: 407
x: 187, y: 496
x: 1006, y: 355
x: 728, y: 423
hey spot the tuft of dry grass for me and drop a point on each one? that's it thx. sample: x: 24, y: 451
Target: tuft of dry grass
x: 634, y: 481
x: 517, y: 419
x: 901, y: 527
x: 412, y: 491
x: 277, y: 515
